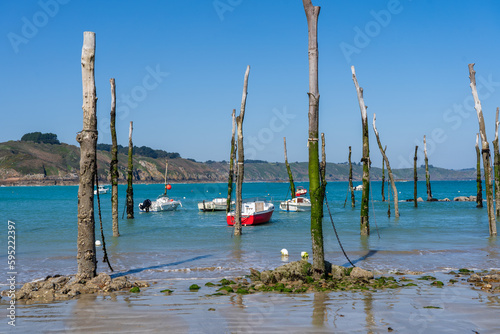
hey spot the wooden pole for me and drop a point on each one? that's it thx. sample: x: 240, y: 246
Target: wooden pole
x: 485, y: 152
x: 415, y: 177
x: 113, y: 165
x: 496, y: 165
x: 86, y: 253
x: 383, y: 176
x: 315, y: 189
x: 165, y: 177
x: 241, y: 157
x: 427, y: 175
x: 351, y: 188
x: 364, y: 219
x: 389, y: 171
x: 130, y: 189
x: 289, y: 171
x: 479, y: 196
x: 232, y: 156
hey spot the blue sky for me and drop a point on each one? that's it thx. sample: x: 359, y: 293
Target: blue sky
x: 179, y: 69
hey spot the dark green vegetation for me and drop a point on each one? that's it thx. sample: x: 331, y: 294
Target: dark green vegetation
x: 23, y: 162
x: 38, y: 137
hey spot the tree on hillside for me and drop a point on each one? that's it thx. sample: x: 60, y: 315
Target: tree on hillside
x: 38, y: 137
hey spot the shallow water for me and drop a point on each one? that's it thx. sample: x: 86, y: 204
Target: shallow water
x: 178, y: 248
x: 187, y: 243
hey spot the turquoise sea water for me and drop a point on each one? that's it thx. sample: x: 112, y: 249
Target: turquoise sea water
x: 187, y: 244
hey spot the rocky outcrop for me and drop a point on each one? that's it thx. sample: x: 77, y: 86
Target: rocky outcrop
x: 66, y: 287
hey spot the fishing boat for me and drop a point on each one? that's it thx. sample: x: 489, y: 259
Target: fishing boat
x: 253, y: 212
x: 300, y: 191
x: 163, y: 202
x: 101, y: 190
x: 217, y: 204
x: 296, y: 204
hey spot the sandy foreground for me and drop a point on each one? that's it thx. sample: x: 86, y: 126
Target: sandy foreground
x: 457, y: 308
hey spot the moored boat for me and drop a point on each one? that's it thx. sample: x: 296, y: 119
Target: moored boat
x: 217, y: 204
x: 253, y: 212
x: 101, y: 190
x: 162, y: 203
x: 296, y: 204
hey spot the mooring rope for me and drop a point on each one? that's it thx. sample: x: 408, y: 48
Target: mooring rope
x: 335, y: 230
x: 105, y: 258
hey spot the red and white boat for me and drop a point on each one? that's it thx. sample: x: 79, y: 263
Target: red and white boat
x: 253, y: 212
x: 300, y: 191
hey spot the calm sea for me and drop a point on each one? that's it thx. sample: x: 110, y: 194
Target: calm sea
x: 189, y: 244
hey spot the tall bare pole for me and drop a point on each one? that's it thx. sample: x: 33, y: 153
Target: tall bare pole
x: 415, y: 177
x: 485, y: 152
x: 165, y: 177
x: 289, y: 171
x: 479, y: 197
x: 113, y: 165
x: 241, y: 157
x: 427, y: 175
x: 315, y: 190
x: 383, y: 177
x: 351, y: 188
x: 86, y: 253
x: 130, y: 189
x: 364, y: 219
x: 389, y: 171
x: 496, y: 168
x: 232, y: 156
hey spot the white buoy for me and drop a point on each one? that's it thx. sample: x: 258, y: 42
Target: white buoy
x: 304, y: 255
x: 284, y: 252
x: 98, y: 243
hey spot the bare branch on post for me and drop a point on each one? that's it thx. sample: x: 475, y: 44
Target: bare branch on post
x: 496, y: 168
x: 485, y: 152
x: 289, y: 171
x: 241, y: 157
x: 232, y: 156
x: 479, y: 196
x: 415, y: 177
x: 351, y: 188
x: 86, y: 252
x: 389, y: 171
x: 364, y: 219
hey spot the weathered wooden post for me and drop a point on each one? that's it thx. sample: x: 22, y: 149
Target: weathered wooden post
x: 351, y: 188
x: 113, y: 165
x: 485, y: 152
x: 241, y: 157
x: 383, y: 177
x: 389, y: 171
x: 479, y: 196
x: 415, y: 177
x: 496, y: 165
x: 86, y: 253
x: 232, y: 156
x: 315, y: 189
x: 365, y: 196
x: 427, y: 175
x: 130, y: 190
x: 289, y: 171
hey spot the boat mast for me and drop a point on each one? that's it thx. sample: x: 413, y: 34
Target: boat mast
x: 166, y: 169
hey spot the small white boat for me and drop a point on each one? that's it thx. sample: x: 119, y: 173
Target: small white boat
x: 296, y: 204
x: 360, y: 187
x: 217, y: 204
x: 162, y: 203
x: 101, y: 190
